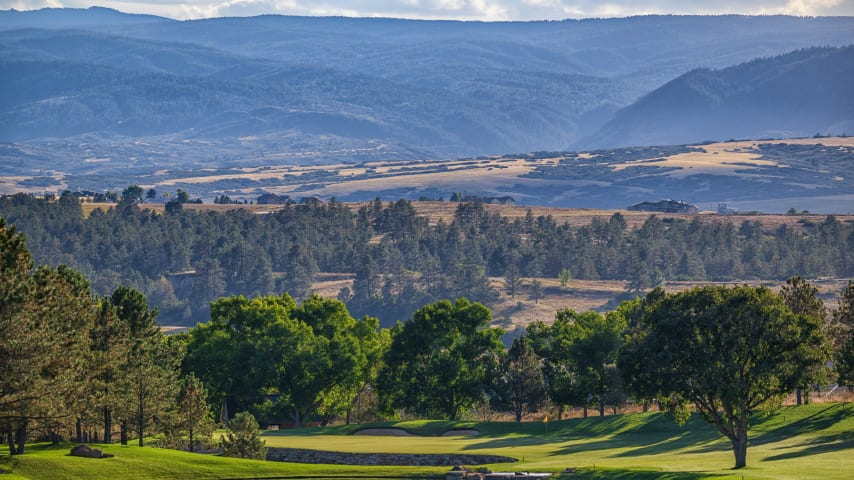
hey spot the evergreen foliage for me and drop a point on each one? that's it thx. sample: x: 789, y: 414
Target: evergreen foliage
x: 185, y: 260
x: 243, y: 439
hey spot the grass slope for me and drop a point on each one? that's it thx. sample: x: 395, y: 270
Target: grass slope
x: 808, y: 442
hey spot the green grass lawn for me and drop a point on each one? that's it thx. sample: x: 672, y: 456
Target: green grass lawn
x: 808, y: 442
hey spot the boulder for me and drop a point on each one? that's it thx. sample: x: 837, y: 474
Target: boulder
x: 84, y: 450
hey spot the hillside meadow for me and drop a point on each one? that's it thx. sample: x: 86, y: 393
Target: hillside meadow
x: 806, y: 442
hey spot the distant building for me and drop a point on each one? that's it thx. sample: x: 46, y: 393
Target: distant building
x: 665, y: 206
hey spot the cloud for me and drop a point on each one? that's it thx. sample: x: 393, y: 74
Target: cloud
x: 486, y: 10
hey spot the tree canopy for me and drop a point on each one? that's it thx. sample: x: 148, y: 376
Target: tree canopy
x: 441, y: 361
x: 727, y: 351
x: 290, y: 360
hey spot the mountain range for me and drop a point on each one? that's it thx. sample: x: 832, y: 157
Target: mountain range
x: 305, y: 90
x: 794, y: 95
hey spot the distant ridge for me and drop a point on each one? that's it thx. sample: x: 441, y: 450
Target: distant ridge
x: 72, y: 18
x: 321, y: 89
x: 798, y: 94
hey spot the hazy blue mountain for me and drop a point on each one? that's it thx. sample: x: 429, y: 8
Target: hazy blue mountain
x: 91, y: 17
x: 794, y: 95
x: 310, y: 88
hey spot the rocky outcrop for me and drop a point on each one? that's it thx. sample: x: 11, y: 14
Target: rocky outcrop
x: 301, y: 455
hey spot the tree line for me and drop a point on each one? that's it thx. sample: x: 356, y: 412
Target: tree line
x: 183, y: 260
x: 74, y: 362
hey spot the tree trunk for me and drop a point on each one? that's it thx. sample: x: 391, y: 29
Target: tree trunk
x: 10, y: 439
x: 585, y: 411
x: 601, y: 409
x: 108, y: 425
x: 21, y: 436
x: 798, y: 400
x: 739, y: 447
x: 140, y: 417
x: 192, y: 445
x: 124, y: 434
x: 560, y: 412
x: 78, y: 430
x: 518, y: 413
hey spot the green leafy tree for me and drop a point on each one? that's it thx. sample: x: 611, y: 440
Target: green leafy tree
x: 726, y: 351
x: 580, y: 352
x: 597, y: 338
x: 223, y: 352
x: 314, y: 358
x: 243, y: 439
x: 321, y: 357
x: 442, y: 361
x: 563, y: 384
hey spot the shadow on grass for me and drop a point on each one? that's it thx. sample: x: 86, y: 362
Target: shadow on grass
x: 818, y: 421
x: 613, y: 427
x: 627, y: 474
x: 822, y: 444
x: 774, y: 428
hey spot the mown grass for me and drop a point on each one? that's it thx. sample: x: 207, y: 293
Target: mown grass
x: 807, y: 442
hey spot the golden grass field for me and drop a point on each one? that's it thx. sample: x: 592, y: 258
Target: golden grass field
x: 572, y: 216
x: 502, y: 175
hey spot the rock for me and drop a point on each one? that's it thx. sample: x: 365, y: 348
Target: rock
x: 84, y: 450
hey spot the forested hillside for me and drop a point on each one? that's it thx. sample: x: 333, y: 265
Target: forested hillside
x: 797, y: 94
x: 182, y: 260
x: 355, y: 89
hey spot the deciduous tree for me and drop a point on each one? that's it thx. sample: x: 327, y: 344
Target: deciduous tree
x: 727, y: 351
x: 442, y: 361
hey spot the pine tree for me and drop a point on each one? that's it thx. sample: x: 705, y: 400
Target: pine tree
x: 243, y: 439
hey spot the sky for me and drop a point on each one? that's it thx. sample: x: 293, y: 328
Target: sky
x: 484, y: 10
